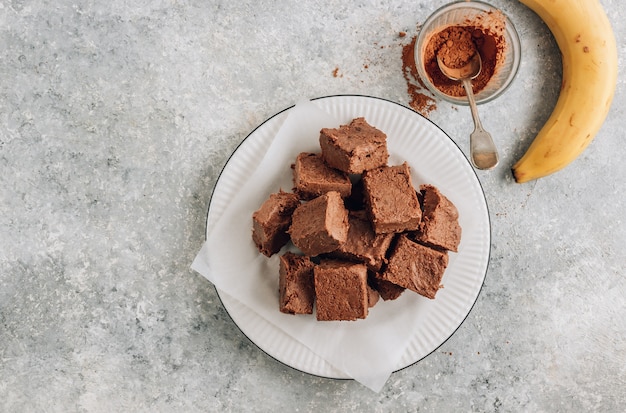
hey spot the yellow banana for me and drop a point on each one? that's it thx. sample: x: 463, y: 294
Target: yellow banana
x: 589, y: 56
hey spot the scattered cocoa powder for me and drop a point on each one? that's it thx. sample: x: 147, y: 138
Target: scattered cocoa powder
x: 421, y: 102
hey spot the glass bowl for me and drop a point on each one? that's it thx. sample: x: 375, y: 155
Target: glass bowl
x: 470, y: 13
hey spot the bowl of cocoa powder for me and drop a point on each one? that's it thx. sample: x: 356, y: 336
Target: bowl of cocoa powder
x: 449, y: 29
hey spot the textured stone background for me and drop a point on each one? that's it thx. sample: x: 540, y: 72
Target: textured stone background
x: 115, y: 120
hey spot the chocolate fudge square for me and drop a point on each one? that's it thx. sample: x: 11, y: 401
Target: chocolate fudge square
x: 391, y: 200
x: 354, y: 148
x: 440, y: 220
x: 295, y: 285
x: 272, y: 220
x: 416, y: 267
x: 372, y: 296
x: 320, y: 225
x: 387, y: 290
x: 363, y: 244
x: 341, y: 290
x: 312, y: 177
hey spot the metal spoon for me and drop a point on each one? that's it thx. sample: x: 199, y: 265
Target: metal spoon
x: 484, y: 154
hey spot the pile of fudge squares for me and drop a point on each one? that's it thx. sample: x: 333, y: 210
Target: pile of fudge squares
x: 362, y: 231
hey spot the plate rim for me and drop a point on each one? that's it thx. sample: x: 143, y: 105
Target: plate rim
x: 348, y: 95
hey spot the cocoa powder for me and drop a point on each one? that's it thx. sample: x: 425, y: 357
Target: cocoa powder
x: 457, y: 51
x: 420, y: 102
x: 453, y: 42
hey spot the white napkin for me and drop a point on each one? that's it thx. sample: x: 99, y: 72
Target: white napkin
x: 367, y: 350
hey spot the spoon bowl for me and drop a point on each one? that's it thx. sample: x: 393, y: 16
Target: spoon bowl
x: 470, y: 71
x: 483, y: 152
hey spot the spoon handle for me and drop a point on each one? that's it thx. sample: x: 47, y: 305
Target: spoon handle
x: 483, y: 152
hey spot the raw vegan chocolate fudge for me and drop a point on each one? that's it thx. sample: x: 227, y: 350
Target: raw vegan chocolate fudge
x: 372, y: 296
x: 272, y: 220
x: 373, y: 235
x: 416, y: 267
x: 363, y: 244
x: 320, y: 225
x: 295, y: 284
x: 354, y: 148
x: 341, y: 290
x: 391, y: 200
x: 312, y: 177
x: 440, y: 220
x: 387, y: 290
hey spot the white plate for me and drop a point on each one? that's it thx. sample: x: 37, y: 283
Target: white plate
x: 434, y: 158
